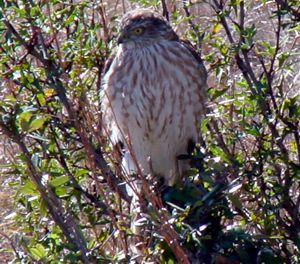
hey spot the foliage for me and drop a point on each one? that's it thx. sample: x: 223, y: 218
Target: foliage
x: 242, y: 202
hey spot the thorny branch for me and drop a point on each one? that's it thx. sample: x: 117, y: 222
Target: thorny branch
x: 255, y: 85
x: 195, y: 28
x: 54, y: 74
x: 65, y: 220
x: 96, y: 159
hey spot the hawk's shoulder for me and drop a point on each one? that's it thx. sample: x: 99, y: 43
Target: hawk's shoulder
x: 192, y: 50
x: 196, y: 54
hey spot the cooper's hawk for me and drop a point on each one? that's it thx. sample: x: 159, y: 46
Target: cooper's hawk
x: 154, y: 95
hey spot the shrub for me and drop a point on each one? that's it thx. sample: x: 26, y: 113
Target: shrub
x: 241, y: 204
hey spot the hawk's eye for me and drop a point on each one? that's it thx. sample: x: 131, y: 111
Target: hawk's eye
x: 138, y: 31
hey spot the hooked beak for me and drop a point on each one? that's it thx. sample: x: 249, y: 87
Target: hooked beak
x: 121, y: 39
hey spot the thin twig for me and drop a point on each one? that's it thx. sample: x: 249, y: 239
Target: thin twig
x: 63, y: 219
x: 193, y: 25
x: 165, y: 9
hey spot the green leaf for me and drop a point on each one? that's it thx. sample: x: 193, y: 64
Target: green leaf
x: 71, y: 18
x: 61, y: 191
x: 37, y: 123
x: 282, y: 58
x: 29, y: 188
x: 43, y: 208
x: 81, y: 172
x: 59, y: 181
x: 38, y: 252
x: 41, y: 99
x: 26, y: 115
x: 215, y: 93
x: 269, y: 50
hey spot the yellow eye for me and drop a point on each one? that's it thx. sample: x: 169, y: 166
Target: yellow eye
x: 138, y: 31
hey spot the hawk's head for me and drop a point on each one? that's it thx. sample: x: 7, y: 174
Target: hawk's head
x: 144, y: 26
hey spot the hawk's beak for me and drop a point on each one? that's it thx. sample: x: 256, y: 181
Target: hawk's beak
x: 122, y: 38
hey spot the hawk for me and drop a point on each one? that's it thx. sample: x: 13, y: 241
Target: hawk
x: 154, y: 94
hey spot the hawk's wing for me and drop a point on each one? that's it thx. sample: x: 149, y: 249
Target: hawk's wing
x: 203, y: 72
x: 196, y: 55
